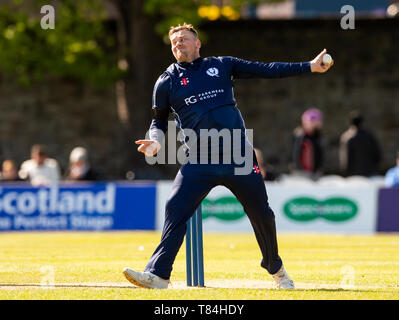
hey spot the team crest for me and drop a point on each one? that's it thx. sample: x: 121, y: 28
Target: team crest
x: 213, y: 72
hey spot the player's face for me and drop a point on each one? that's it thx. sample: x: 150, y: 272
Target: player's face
x: 185, y: 46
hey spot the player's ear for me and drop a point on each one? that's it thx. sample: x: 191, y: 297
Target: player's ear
x: 198, y: 43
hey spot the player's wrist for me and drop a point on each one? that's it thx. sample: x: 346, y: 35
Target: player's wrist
x: 153, y: 148
x: 157, y: 145
x: 313, y: 66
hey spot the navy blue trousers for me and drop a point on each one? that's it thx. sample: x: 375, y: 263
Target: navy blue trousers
x: 192, y: 184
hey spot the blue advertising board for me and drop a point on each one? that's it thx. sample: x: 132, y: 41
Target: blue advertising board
x: 83, y: 206
x: 314, y: 8
x: 388, y: 210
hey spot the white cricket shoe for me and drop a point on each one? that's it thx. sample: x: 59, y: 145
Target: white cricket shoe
x: 145, y: 279
x: 283, y: 281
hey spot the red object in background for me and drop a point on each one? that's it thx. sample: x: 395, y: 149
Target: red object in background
x: 307, y: 154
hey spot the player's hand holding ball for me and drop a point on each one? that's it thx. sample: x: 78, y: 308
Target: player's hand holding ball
x: 322, y: 62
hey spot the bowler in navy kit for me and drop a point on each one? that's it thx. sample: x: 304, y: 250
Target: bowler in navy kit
x: 199, y: 93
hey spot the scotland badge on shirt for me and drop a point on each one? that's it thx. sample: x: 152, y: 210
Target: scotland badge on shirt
x: 213, y: 72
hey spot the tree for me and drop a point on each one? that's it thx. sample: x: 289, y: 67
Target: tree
x: 78, y: 48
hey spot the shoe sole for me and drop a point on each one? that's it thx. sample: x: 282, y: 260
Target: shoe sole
x: 131, y: 279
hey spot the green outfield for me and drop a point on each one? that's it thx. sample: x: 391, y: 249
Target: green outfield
x: 72, y: 265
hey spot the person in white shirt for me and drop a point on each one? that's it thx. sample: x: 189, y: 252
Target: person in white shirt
x: 40, y: 170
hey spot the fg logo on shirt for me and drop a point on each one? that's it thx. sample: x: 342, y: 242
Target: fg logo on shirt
x: 213, y: 72
x: 191, y: 100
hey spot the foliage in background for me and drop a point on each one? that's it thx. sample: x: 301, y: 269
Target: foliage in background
x: 79, y: 47
x: 174, y: 12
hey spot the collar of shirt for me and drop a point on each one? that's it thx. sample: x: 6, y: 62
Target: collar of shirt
x: 194, y: 64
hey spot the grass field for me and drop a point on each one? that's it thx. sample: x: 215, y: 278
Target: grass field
x: 69, y: 266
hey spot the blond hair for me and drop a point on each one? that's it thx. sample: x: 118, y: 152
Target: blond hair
x: 185, y: 26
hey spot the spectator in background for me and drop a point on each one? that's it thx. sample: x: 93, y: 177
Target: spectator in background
x: 307, y: 154
x: 392, y: 175
x: 40, y: 170
x: 79, y: 166
x: 9, y: 171
x: 359, y: 153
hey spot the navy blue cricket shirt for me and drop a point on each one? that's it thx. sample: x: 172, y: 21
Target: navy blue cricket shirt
x: 200, y: 94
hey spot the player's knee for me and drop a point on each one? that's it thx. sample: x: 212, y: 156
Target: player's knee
x: 264, y: 212
x: 172, y: 206
x: 269, y: 212
x: 176, y: 210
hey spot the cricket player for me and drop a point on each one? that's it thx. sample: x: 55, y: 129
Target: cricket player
x: 199, y: 93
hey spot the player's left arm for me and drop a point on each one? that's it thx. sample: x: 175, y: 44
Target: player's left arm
x: 241, y: 69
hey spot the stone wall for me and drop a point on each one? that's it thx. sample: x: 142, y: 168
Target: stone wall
x: 63, y: 114
x: 365, y: 76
